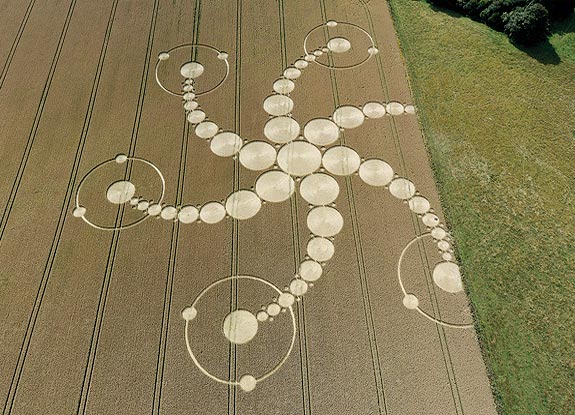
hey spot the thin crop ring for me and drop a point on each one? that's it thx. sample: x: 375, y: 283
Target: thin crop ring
x: 372, y: 50
x: 223, y: 56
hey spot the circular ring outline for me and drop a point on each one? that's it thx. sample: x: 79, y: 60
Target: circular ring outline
x: 423, y: 313
x: 192, y: 45
x: 130, y: 225
x: 268, y: 374
x: 340, y: 67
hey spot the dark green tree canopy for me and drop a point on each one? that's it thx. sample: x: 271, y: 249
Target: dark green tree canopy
x: 528, y: 24
x: 525, y: 21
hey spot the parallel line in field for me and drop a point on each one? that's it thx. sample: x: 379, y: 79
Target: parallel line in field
x: 297, y: 254
x: 16, y: 42
x: 62, y: 217
x: 363, y: 277
x: 417, y: 229
x: 172, y: 259
x: 35, y: 124
x: 234, y: 265
x: 113, y: 249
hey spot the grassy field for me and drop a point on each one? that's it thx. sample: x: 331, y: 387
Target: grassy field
x: 500, y: 128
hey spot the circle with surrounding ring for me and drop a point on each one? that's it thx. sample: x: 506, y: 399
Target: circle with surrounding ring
x: 193, y: 46
x: 237, y: 382
x: 98, y: 167
x: 405, y: 293
x: 321, y: 26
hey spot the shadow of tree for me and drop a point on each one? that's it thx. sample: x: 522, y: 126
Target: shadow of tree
x: 544, y: 52
x: 564, y: 26
x: 447, y: 11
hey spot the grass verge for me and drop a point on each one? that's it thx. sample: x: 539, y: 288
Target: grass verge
x: 499, y: 124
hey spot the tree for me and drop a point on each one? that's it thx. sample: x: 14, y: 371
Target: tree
x: 495, y: 11
x: 473, y: 8
x: 558, y: 9
x: 528, y: 24
x: 448, y: 4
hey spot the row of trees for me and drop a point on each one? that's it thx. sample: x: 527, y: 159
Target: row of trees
x: 526, y: 22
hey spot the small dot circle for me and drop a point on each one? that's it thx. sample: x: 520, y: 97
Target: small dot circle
x: 189, y: 313
x: 248, y: 383
x: 410, y: 301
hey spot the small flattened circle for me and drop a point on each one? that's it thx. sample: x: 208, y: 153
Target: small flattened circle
x: 278, y: 105
x: 154, y: 209
x: 206, y: 129
x: 196, y: 116
x: 143, y: 205
x: 299, y: 158
x: 310, y: 270
x: 226, y: 144
x: 395, y: 108
x: 188, y: 214
x: 339, y: 45
x: 212, y: 212
x: 301, y: 64
x: 324, y: 221
x: 348, y: 116
x: 319, y: 189
x: 430, y: 219
x: 120, y: 192
x: 273, y: 309
x: 192, y: 70
x: 402, y: 188
x: 438, y: 233
x: 419, y: 205
x: 248, y: 383
x: 286, y: 299
x: 189, y: 313
x: 240, y: 326
x: 275, y: 186
x: 292, y: 73
x: 374, y: 110
x: 298, y: 287
x: 321, y: 131
x: 320, y: 249
x: 169, y: 213
x: 410, y: 301
x: 447, y: 276
x: 376, y: 172
x: 79, y: 211
x: 409, y: 109
x: 341, y: 160
x: 243, y: 204
x: 121, y: 158
x: 284, y: 86
x: 281, y: 129
x: 257, y: 155
x: 190, y: 106
x: 443, y: 245
x: 262, y: 316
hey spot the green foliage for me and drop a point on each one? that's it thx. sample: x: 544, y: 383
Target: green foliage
x: 473, y: 8
x: 499, y: 125
x: 494, y: 14
x: 527, y: 25
x: 558, y: 9
x: 563, y: 40
x: 525, y: 21
x: 448, y: 4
